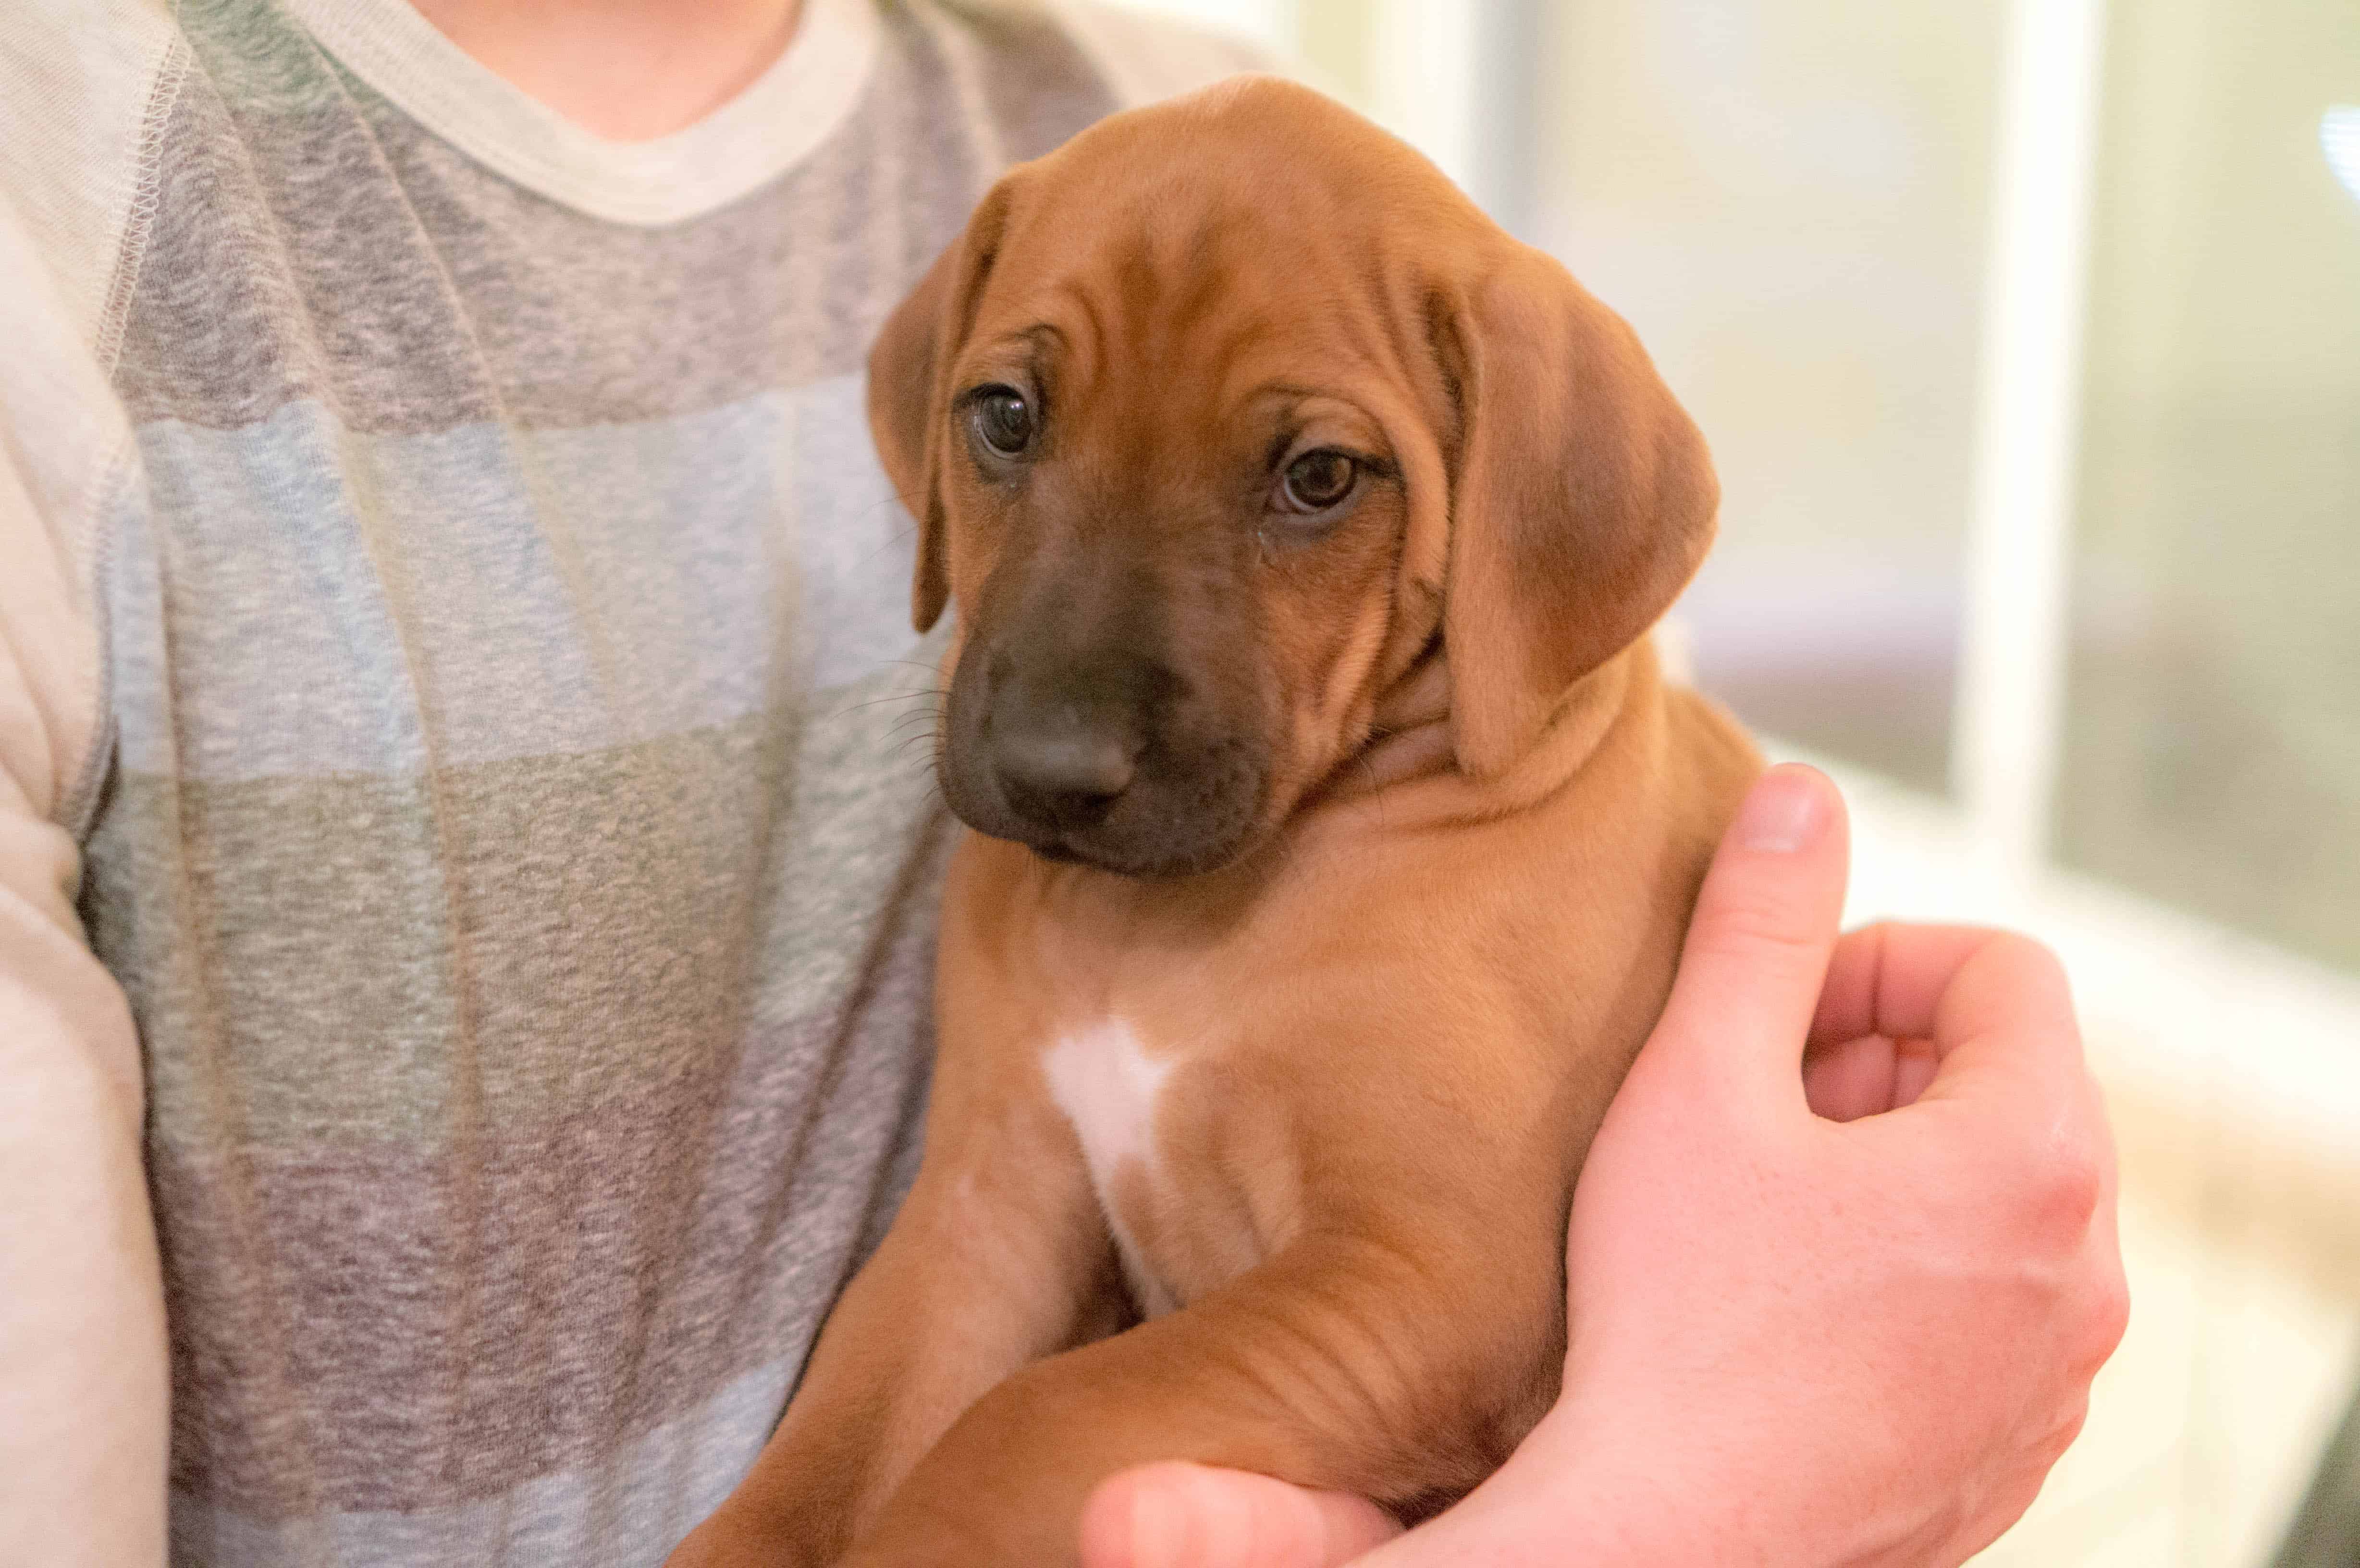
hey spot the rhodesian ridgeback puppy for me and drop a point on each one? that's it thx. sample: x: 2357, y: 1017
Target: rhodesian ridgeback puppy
x: 1334, y: 834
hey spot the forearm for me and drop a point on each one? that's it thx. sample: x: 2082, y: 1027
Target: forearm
x: 82, y: 1366
x: 83, y: 1380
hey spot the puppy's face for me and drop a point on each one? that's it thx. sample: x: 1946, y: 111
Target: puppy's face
x: 1176, y: 512
x: 1182, y: 417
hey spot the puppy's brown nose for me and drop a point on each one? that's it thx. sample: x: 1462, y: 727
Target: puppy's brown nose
x: 1061, y: 766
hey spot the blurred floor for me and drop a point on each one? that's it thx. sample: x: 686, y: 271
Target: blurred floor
x: 2326, y: 1533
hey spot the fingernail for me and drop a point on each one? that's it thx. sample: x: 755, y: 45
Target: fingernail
x: 1784, y: 811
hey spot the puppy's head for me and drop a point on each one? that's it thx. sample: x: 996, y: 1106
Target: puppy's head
x: 1213, y: 421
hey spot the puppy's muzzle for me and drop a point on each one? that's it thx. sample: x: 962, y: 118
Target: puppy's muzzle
x: 1064, y: 749
x: 1094, y: 749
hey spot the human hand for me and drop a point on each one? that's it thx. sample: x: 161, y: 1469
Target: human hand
x: 1841, y: 1266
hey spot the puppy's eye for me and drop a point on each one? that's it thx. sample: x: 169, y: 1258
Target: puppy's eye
x: 1002, y: 420
x: 1318, y: 480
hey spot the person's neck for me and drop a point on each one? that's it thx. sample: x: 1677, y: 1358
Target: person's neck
x: 625, y: 71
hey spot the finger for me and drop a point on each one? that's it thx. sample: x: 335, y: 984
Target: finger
x: 1866, y: 1075
x: 1849, y: 1080
x: 1193, y: 1516
x: 2014, y: 1101
x: 1989, y: 1018
x: 1914, y: 1063
x: 1757, y: 949
x: 1888, y: 978
x: 2005, y: 1028
x: 1944, y: 986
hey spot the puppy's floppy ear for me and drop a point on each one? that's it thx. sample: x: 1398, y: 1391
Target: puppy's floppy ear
x: 909, y: 399
x: 1583, y: 502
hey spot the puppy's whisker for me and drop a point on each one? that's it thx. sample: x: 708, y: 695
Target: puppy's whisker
x: 880, y: 701
x: 908, y: 744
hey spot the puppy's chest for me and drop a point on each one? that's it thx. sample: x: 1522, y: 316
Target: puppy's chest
x: 1194, y: 1186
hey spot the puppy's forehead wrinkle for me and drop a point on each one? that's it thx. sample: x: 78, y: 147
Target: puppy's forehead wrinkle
x: 1048, y: 354
x: 1161, y: 338
x: 1187, y: 265
x: 1164, y: 289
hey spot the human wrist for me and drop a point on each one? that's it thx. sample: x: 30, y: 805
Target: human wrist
x: 1592, y: 1488
x: 1614, y: 1487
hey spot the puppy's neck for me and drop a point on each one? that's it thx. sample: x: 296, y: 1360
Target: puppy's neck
x: 1409, y: 739
x: 1409, y: 733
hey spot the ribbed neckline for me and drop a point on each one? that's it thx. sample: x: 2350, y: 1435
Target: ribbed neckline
x: 758, y: 134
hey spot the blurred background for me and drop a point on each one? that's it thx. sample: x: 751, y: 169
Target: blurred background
x: 2026, y: 334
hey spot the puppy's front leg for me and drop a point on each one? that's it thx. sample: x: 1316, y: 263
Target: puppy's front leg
x: 1341, y: 1363
x: 998, y: 1258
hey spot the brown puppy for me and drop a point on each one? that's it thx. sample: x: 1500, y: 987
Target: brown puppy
x: 1305, y: 532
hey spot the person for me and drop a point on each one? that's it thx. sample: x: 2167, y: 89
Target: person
x: 465, y: 873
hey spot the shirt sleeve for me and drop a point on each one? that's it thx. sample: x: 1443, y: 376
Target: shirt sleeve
x: 84, y: 1378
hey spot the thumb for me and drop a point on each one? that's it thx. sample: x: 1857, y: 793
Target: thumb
x: 1758, y: 946
x: 1194, y: 1515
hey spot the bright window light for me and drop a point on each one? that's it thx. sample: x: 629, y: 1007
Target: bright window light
x: 2339, y: 134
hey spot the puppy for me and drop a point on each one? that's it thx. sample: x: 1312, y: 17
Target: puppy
x: 1335, y: 834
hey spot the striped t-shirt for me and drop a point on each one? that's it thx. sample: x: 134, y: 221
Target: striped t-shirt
x: 456, y: 677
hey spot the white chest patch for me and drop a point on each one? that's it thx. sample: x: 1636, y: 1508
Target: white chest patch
x: 1104, y: 1082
